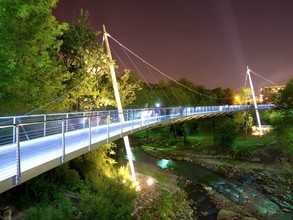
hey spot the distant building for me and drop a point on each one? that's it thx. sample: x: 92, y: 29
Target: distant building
x: 267, y: 93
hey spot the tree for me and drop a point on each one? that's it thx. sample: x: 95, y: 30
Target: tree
x: 224, y: 96
x: 226, y: 134
x: 245, y: 95
x: 243, y: 121
x: 85, y: 59
x: 285, y: 100
x: 128, y: 84
x: 282, y: 118
x: 30, y: 73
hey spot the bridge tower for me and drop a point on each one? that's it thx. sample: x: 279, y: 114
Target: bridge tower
x: 254, y: 101
x: 118, y: 102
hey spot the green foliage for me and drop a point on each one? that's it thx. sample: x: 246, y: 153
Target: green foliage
x: 224, y: 96
x: 108, y: 201
x: 282, y: 122
x: 107, y: 196
x: 100, y: 193
x: 282, y: 118
x: 285, y: 101
x: 48, y: 212
x: 97, y: 164
x: 243, y: 121
x: 30, y: 73
x: 88, y: 64
x: 128, y: 84
x: 173, y: 94
x: 245, y: 95
x: 168, y: 204
x: 85, y: 59
x: 252, y: 143
x: 226, y: 134
x: 65, y: 176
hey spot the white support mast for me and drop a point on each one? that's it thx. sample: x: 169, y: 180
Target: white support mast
x: 119, y: 105
x: 254, y: 101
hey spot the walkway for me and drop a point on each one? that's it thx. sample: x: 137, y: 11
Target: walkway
x: 32, y: 145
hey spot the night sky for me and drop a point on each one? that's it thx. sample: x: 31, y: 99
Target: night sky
x: 209, y: 42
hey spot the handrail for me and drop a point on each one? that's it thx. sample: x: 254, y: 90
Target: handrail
x: 26, y: 146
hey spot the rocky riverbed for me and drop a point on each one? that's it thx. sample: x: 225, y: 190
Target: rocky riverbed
x: 262, y: 184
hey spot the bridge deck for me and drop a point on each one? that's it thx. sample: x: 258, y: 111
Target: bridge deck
x: 30, y: 146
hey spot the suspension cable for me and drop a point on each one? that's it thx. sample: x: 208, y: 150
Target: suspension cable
x: 263, y: 78
x: 161, y: 71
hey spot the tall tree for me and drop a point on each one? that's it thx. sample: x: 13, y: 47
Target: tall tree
x: 224, y: 96
x: 90, y: 84
x: 285, y: 99
x: 85, y: 59
x: 282, y: 118
x: 245, y: 95
x: 129, y: 84
x: 30, y: 74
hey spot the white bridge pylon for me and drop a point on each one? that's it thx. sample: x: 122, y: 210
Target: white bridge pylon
x: 254, y: 101
x: 119, y: 104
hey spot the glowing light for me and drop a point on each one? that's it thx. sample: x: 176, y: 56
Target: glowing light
x: 237, y: 99
x: 133, y: 158
x: 163, y: 163
x: 157, y: 105
x: 150, y: 181
x: 137, y: 186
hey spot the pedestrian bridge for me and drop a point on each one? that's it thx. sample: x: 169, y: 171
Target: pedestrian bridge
x: 33, y: 144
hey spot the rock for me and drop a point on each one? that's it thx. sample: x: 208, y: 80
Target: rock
x: 207, y: 188
x: 227, y: 215
x: 5, y: 213
x: 204, y: 213
x: 255, y: 159
x: 286, y: 210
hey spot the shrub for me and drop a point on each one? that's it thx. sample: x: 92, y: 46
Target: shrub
x: 226, y: 134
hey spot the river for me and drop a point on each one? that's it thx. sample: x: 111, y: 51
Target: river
x: 198, y: 177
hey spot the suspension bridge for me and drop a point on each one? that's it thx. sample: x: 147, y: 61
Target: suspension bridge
x: 32, y: 145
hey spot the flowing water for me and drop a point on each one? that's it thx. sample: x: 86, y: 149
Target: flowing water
x: 198, y: 176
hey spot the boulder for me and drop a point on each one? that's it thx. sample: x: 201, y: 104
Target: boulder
x: 227, y: 215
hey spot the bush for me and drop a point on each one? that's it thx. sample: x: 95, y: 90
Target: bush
x: 282, y: 122
x: 226, y: 134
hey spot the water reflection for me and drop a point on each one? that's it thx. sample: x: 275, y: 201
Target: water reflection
x: 133, y: 156
x: 164, y: 164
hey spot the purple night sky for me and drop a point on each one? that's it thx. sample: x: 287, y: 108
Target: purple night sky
x: 209, y: 42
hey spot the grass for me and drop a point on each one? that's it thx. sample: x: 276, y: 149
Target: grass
x: 252, y: 143
x: 205, y: 142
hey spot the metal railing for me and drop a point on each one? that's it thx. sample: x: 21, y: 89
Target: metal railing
x: 32, y: 140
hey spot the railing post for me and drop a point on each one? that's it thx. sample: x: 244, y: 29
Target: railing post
x: 132, y: 116
x: 18, y: 173
x: 63, y: 143
x: 97, y: 118
x: 121, y: 127
x: 83, y: 120
x: 108, y: 130
x: 90, y: 133
x: 14, y: 130
x: 140, y: 118
x: 45, y: 125
x: 148, y: 120
x: 67, y: 121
